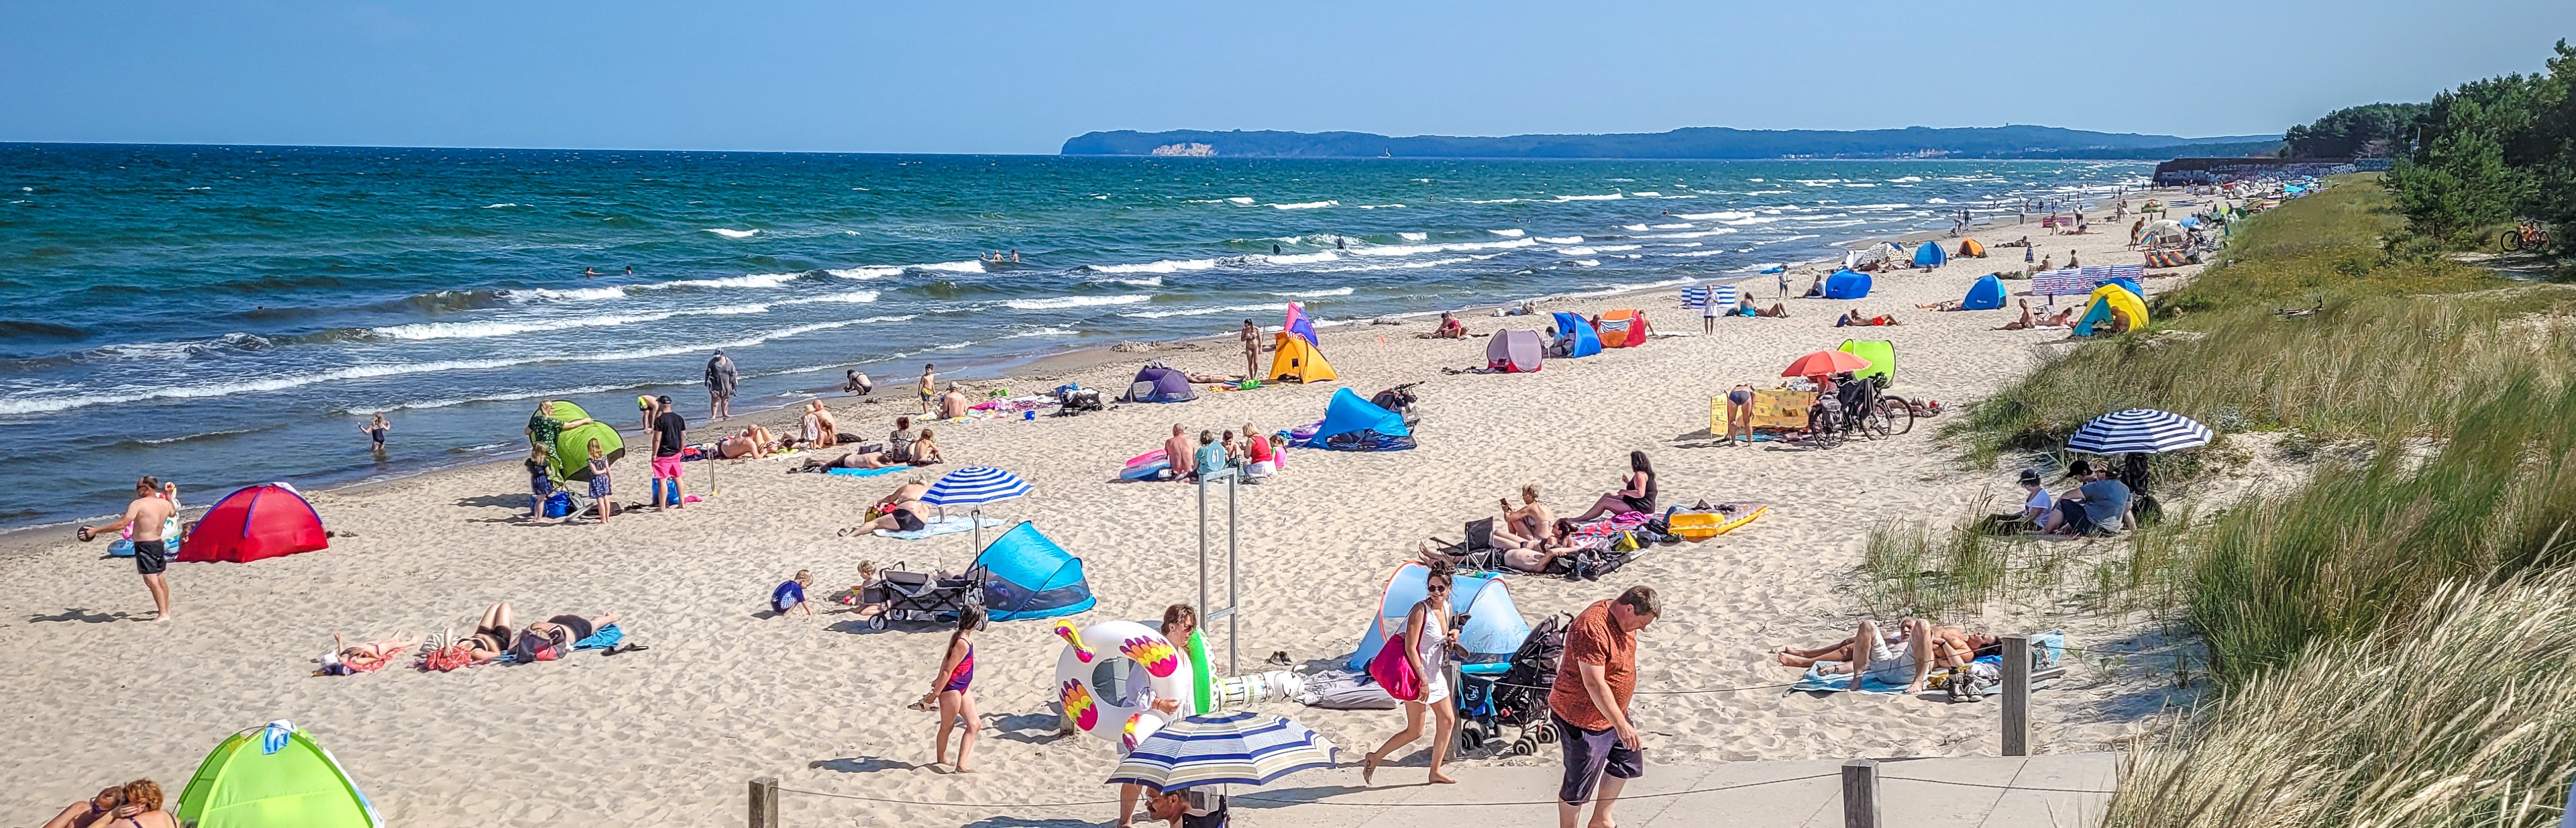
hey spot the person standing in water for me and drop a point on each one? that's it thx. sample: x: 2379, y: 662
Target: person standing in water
x: 149, y: 514
x: 722, y: 379
x: 375, y: 431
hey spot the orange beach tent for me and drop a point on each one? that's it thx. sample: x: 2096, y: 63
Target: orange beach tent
x: 1971, y: 247
x: 1623, y: 328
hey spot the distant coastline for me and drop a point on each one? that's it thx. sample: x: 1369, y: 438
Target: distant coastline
x: 1691, y: 143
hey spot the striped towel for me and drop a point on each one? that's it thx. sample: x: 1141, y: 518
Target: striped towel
x: 1698, y: 296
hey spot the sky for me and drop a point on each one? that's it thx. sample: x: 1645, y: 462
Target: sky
x: 1021, y: 77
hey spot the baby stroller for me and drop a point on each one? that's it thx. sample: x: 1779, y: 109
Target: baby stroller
x: 917, y: 596
x: 1512, y: 693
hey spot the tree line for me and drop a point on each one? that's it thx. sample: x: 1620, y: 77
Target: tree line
x: 2480, y: 154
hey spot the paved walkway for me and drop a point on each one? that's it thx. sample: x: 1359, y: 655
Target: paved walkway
x: 2000, y: 793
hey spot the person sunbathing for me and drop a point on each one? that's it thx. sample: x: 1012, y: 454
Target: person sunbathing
x: 2062, y: 319
x: 493, y: 635
x: 2026, y: 322
x: 754, y: 442
x: 1532, y: 561
x: 1177, y: 454
x: 1205, y: 378
x: 1533, y: 519
x: 552, y: 638
x: 953, y: 404
x: 1903, y: 651
x: 1636, y: 492
x: 1449, y: 328
x: 1778, y: 310
x: 367, y: 657
x: 851, y: 460
x: 1943, y: 305
x: 900, y: 510
x: 88, y: 811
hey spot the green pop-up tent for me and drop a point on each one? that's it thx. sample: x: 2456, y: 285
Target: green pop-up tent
x: 571, y: 451
x: 273, y: 776
x: 1880, y: 353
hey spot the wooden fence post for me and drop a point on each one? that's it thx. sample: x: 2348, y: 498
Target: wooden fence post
x: 764, y: 802
x: 1860, y: 793
x: 2017, y: 695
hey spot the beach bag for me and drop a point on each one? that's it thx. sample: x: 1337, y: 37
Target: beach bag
x: 558, y: 504
x: 1394, y: 672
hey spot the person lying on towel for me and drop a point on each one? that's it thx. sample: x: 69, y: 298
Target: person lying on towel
x: 1854, y: 319
x: 1907, y: 651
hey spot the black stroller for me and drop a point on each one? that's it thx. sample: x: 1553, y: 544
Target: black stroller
x: 1512, y: 693
x: 918, y: 596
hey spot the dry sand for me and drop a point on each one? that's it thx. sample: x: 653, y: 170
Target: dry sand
x: 668, y: 736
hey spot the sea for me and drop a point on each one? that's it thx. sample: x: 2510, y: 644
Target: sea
x: 226, y: 315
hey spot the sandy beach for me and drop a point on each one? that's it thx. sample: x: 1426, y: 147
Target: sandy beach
x: 668, y: 736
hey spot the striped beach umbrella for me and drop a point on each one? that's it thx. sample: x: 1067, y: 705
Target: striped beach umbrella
x: 2139, y: 431
x: 975, y: 486
x: 1239, y: 748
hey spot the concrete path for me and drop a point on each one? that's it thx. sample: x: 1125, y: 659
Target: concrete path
x: 1999, y: 793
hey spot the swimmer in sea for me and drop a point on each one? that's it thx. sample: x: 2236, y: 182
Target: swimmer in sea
x: 589, y: 272
x: 1015, y: 255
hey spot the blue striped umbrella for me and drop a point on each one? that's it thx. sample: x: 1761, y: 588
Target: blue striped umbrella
x: 1239, y: 748
x: 975, y: 486
x: 2139, y: 431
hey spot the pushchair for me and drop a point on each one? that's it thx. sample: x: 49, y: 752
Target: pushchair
x: 918, y: 596
x: 1492, y: 696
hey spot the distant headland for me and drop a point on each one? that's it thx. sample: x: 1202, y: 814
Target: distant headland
x: 1686, y: 143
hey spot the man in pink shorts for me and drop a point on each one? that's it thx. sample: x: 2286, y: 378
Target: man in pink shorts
x: 668, y: 433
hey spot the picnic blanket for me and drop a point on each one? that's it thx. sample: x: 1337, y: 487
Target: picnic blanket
x: 946, y: 525
x: 2048, y: 649
x: 1600, y: 532
x: 876, y: 472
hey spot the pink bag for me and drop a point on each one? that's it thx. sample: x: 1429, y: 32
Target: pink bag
x: 1394, y: 672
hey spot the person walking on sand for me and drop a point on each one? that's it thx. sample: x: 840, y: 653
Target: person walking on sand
x: 1588, y: 704
x: 375, y: 431
x: 148, y: 514
x: 1250, y: 336
x: 669, y: 434
x: 929, y: 390
x: 1425, y: 642
x: 953, y: 690
x: 721, y: 381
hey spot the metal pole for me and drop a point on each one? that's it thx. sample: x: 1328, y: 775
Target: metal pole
x: 2017, y: 695
x: 1233, y: 588
x: 764, y: 802
x: 1203, y: 555
x: 1860, y: 793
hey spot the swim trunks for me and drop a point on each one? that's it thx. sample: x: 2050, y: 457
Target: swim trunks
x: 151, y: 556
x: 906, y: 521
x: 666, y: 468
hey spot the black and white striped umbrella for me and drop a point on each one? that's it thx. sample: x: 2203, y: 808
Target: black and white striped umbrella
x: 2139, y: 431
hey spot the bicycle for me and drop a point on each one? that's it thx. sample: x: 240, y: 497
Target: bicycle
x: 2526, y: 235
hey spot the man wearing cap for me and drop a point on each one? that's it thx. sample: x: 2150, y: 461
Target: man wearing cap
x: 667, y: 431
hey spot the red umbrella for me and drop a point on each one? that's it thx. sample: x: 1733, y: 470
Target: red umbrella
x: 1824, y: 363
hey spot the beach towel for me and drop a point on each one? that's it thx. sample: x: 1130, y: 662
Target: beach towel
x: 600, y: 639
x: 948, y: 525
x: 2047, y: 651
x: 876, y: 472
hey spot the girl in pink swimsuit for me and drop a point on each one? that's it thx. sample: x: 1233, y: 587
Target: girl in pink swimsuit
x: 954, y: 691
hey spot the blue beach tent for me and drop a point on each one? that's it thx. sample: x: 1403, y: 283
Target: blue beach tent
x: 1931, y: 255
x: 1586, y: 341
x: 1028, y: 576
x: 1986, y: 294
x: 1494, y: 628
x: 1847, y: 284
x: 1352, y: 423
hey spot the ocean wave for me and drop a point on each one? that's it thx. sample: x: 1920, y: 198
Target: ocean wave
x: 1314, y: 294
x: 498, y: 206
x: 1696, y: 253
x: 1239, y: 200
x: 1633, y: 227
x: 1588, y: 262
x: 1684, y: 225
x: 1560, y: 239
x: 1493, y: 201
x: 1766, y: 192
x: 970, y: 266
x: 1149, y: 281
x: 1414, y: 236
x: 1858, y: 184
x: 1302, y: 258
x: 1160, y: 266
x: 1046, y: 331
x: 1647, y: 194
x: 1787, y: 239
x: 1576, y: 251
x: 1306, y: 205
x: 1618, y: 247
x: 867, y: 271
x: 1166, y: 314
x: 53, y: 400
x: 1379, y: 206
x: 163, y: 441
x: 1719, y: 215
x: 1565, y: 198
x: 754, y: 280
x: 1419, y: 249
x: 1906, y: 180
x: 1753, y: 220
x: 1700, y: 234
x: 1936, y: 201
x: 1404, y: 265
x: 555, y: 393
x: 1060, y: 302
x: 1514, y: 232
x: 482, y: 329
x: 732, y: 233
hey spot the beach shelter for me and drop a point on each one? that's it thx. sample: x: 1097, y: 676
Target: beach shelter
x: 1873, y: 253
x: 1351, y: 416
x: 1494, y: 627
x: 1157, y: 384
x: 1026, y: 575
x: 1585, y: 341
x: 262, y: 521
x: 2162, y: 232
x: 1623, y: 328
x: 1880, y: 353
x: 1972, y: 248
x: 1513, y: 351
x: 2128, y: 283
x: 1298, y: 324
x: 571, y: 452
x: 1931, y: 255
x: 2105, y: 299
x: 1298, y: 360
x: 273, y: 776
x: 1986, y: 294
x: 1847, y: 284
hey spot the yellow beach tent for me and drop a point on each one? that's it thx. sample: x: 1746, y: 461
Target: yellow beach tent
x: 2106, y: 299
x: 1298, y: 360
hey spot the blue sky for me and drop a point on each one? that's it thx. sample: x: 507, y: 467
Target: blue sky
x: 1020, y: 77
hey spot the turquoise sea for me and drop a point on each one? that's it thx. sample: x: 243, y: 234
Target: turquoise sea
x: 227, y: 315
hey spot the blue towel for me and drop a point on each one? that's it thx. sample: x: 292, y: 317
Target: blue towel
x: 867, y: 472
x: 2049, y: 647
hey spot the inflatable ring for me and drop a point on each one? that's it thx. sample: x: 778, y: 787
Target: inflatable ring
x: 1155, y: 670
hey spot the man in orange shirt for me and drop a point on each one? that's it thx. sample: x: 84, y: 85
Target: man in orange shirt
x: 1589, y: 703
